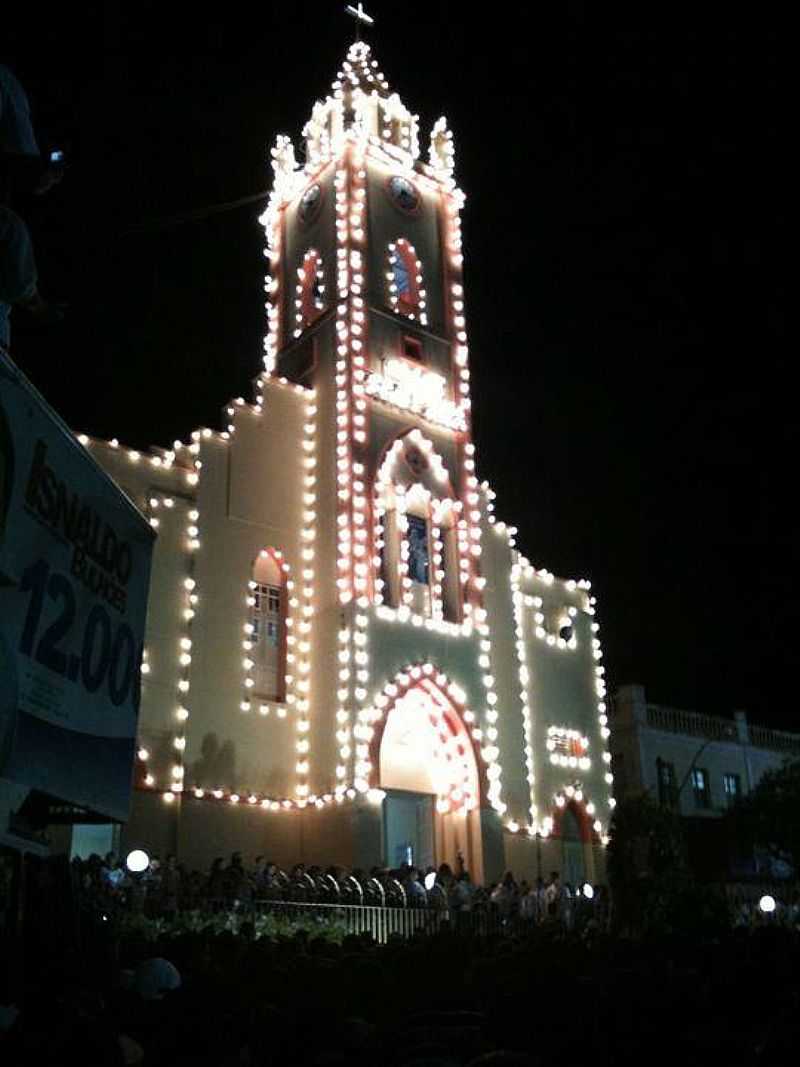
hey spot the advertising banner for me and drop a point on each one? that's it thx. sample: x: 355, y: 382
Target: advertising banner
x: 74, y: 571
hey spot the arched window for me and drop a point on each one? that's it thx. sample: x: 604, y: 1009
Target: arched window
x: 416, y: 532
x: 268, y: 601
x: 404, y: 281
x: 310, y: 294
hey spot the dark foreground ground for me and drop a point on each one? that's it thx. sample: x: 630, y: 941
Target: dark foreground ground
x: 546, y: 997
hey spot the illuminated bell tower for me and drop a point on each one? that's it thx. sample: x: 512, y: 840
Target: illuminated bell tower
x: 366, y: 308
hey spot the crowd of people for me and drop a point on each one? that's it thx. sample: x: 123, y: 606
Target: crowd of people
x: 551, y: 981
x: 543, y: 995
x: 166, y: 888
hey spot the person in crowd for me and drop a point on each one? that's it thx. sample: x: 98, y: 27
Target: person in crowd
x: 541, y: 900
x: 569, y: 904
x: 153, y: 872
x: 236, y: 886
x: 528, y: 903
x: 552, y: 896
x: 215, y: 887
x: 439, y: 895
x: 170, y: 888
x: 462, y: 892
x: 112, y: 873
x: 257, y: 876
x: 155, y: 977
x: 505, y: 896
x: 416, y: 895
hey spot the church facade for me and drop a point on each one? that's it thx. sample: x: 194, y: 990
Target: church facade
x: 347, y: 659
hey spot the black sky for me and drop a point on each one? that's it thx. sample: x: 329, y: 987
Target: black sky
x: 626, y: 194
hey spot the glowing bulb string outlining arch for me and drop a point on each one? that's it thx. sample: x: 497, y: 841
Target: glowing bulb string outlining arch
x: 573, y: 797
x: 404, y: 281
x: 310, y: 300
x: 451, y: 739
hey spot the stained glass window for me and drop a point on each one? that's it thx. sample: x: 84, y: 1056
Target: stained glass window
x: 418, y: 563
x: 310, y: 301
x: 403, y: 193
x: 402, y: 279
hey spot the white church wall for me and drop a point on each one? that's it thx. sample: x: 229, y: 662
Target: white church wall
x: 164, y: 631
x: 165, y: 493
x: 137, y: 472
x: 562, y: 693
x: 396, y: 645
x: 496, y: 568
x: 323, y: 755
x: 248, y: 501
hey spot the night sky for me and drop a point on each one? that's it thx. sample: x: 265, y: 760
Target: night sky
x: 625, y: 264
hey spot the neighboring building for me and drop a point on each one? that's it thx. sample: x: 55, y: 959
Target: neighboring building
x: 699, y: 765
x: 347, y: 660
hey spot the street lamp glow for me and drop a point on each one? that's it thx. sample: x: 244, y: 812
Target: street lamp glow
x: 137, y: 861
x: 767, y: 904
x: 430, y: 880
x: 588, y: 891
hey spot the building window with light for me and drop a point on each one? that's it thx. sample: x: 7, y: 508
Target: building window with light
x: 268, y: 621
x: 310, y: 301
x: 404, y: 281
x: 732, y: 785
x: 701, y: 788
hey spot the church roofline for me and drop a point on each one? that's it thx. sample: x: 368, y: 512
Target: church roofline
x: 166, y: 459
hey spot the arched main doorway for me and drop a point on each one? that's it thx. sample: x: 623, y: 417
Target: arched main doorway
x: 427, y: 764
x: 571, y: 825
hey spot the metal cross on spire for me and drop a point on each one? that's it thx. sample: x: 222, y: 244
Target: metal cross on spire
x: 360, y: 15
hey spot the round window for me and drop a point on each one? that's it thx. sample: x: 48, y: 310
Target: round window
x: 404, y: 195
x: 310, y: 203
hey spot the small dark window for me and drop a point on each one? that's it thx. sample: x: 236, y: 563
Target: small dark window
x: 565, y: 633
x: 412, y: 348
